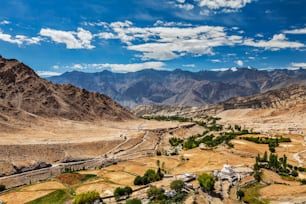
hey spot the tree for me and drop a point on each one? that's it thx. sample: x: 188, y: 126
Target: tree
x: 285, y: 162
x: 151, y: 176
x: 158, y: 163
x: 133, y: 201
x: 207, y: 182
x: 240, y: 194
x: 294, y: 173
x: 257, y: 176
x: 2, y: 187
x: 156, y: 193
x: 265, y: 157
x: 138, y: 180
x: 85, y: 198
x: 118, y: 192
x: 177, y: 185
x: 128, y: 190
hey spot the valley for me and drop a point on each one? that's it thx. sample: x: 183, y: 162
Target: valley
x: 59, y: 143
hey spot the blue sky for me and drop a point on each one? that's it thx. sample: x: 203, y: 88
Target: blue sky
x: 129, y: 35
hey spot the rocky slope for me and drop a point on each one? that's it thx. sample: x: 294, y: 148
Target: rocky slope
x: 24, y: 95
x: 182, y: 88
x: 292, y: 97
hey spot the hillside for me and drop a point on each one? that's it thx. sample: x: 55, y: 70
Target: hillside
x: 24, y: 95
x: 182, y: 88
x: 293, y: 97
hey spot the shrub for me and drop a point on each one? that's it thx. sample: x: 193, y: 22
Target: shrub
x: 207, y: 182
x: 149, y: 177
x: 118, y: 192
x: 156, y: 193
x: 2, y: 187
x: 85, y: 198
x: 177, y: 185
x: 133, y: 201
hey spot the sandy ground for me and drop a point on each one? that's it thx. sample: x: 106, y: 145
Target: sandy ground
x: 23, y: 196
x: 266, y: 120
x: 67, y: 131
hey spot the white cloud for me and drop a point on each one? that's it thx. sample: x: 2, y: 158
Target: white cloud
x: 219, y: 69
x: 216, y: 60
x: 181, y: 1
x: 259, y: 35
x: 278, y: 41
x: 171, y: 24
x: 225, y: 5
x: 19, y: 39
x: 239, y: 63
x: 4, y: 22
x: 189, y: 65
x: 73, y: 40
x: 166, y: 42
x: 48, y: 73
x: 187, y: 7
x: 297, y: 65
x: 106, y: 36
x: 296, y: 31
x: 119, y: 67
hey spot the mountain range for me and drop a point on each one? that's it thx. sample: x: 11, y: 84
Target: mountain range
x: 23, y: 94
x: 183, y: 88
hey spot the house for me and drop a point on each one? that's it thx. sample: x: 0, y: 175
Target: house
x: 227, y: 173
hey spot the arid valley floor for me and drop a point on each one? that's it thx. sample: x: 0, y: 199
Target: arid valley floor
x: 134, y: 144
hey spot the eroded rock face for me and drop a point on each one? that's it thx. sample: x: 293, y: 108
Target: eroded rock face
x: 22, y: 90
x: 294, y: 94
x: 6, y: 168
x: 280, y: 98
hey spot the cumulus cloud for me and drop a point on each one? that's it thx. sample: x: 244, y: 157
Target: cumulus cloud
x: 297, y: 65
x: 73, y: 40
x: 187, y: 7
x: 216, y: 60
x: 239, y: 63
x: 119, y: 67
x: 48, y: 73
x: 19, y: 39
x: 296, y: 31
x: 4, y: 22
x: 278, y: 41
x: 225, y: 5
x: 171, y: 24
x: 169, y: 42
x: 189, y: 65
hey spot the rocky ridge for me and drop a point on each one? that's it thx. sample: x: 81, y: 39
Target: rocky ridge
x: 24, y: 95
x: 182, y: 88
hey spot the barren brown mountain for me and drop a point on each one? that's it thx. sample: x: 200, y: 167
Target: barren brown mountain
x: 24, y: 94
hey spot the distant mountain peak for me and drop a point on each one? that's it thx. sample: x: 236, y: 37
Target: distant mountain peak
x: 181, y: 87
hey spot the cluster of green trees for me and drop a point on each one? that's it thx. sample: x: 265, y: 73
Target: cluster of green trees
x: 149, y: 177
x: 125, y: 191
x: 209, y: 140
x: 85, y: 198
x: 272, y: 142
x: 168, y: 118
x: 278, y: 165
x: 174, y: 141
x: 157, y: 195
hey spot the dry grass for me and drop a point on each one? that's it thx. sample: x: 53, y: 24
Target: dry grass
x: 279, y: 191
x: 23, y: 196
x: 49, y: 185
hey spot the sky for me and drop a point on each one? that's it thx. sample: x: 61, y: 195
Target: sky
x: 56, y: 36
